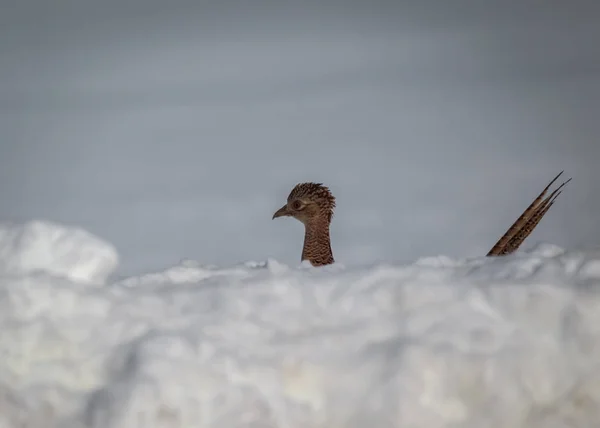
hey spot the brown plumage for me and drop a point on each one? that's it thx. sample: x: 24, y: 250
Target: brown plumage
x: 313, y: 205
x: 527, y: 221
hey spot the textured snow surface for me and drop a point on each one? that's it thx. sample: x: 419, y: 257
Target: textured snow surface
x: 482, y: 343
x: 55, y: 249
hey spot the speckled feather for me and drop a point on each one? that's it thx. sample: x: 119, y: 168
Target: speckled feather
x: 527, y: 221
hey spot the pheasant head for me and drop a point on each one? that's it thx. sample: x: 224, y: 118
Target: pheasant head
x: 313, y: 205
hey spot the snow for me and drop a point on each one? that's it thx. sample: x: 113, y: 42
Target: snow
x: 69, y: 252
x: 441, y: 342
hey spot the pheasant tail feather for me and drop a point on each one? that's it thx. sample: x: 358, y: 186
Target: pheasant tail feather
x: 527, y: 221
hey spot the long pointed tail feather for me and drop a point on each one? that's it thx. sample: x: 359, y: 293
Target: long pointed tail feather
x: 527, y: 221
x: 541, y: 211
x: 526, y: 230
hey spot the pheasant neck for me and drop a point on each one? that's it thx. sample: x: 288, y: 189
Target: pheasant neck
x: 317, y: 243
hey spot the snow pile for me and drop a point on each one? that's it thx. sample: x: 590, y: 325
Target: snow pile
x: 506, y: 342
x: 43, y: 246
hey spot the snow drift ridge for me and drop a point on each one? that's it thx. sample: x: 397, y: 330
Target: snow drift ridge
x: 487, y: 342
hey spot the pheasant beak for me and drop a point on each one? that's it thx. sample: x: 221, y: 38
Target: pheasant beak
x: 281, y: 212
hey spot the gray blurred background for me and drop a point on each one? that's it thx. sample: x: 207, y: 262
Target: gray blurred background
x: 175, y: 129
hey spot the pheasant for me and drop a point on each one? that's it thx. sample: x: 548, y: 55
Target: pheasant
x: 313, y: 204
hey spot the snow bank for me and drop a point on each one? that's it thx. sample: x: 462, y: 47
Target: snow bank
x: 506, y: 342
x: 55, y: 249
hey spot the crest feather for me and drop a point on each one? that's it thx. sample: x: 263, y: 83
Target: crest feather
x: 317, y: 193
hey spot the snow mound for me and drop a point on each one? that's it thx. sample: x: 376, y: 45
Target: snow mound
x: 487, y: 342
x: 47, y: 247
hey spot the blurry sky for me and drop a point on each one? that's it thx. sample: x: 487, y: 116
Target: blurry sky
x: 175, y: 129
